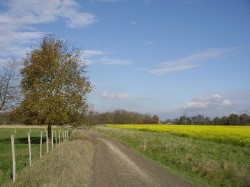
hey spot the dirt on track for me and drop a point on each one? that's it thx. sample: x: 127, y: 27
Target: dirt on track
x: 114, y: 165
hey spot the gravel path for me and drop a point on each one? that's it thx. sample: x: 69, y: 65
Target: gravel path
x: 114, y: 165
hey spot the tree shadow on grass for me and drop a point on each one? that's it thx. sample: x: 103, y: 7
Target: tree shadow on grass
x: 34, y: 140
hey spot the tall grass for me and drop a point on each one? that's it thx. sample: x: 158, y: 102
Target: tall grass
x: 21, y: 149
x: 206, y: 162
x: 67, y: 165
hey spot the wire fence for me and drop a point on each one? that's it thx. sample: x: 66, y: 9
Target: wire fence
x: 54, y: 141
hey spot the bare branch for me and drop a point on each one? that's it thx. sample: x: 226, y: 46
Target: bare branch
x: 8, y: 86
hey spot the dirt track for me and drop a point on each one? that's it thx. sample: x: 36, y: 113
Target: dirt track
x: 114, y: 165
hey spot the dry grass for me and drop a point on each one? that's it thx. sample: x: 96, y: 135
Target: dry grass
x: 68, y: 165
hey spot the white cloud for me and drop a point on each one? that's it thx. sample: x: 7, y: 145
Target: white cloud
x: 98, y: 57
x: 113, y: 61
x: 210, y: 102
x: 134, y: 22
x: 19, y: 18
x: 190, y: 61
x: 93, y: 53
x: 170, y: 68
x: 115, y: 95
x: 28, y: 12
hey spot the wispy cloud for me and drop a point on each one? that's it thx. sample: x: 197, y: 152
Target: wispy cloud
x: 93, y: 53
x: 211, y: 102
x: 114, y: 61
x: 29, y: 12
x: 19, y: 18
x: 114, y: 95
x: 170, y: 68
x: 100, y: 57
x: 134, y: 23
x: 190, y: 61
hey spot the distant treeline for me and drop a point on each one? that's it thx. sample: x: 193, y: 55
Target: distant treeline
x: 124, y: 117
x: 114, y: 117
x: 127, y: 117
x: 232, y: 119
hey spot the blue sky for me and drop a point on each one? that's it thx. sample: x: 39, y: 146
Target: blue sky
x: 164, y: 57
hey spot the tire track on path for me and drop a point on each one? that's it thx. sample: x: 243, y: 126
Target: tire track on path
x: 114, y: 165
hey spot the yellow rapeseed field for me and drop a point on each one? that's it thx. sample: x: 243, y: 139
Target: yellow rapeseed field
x: 236, y: 135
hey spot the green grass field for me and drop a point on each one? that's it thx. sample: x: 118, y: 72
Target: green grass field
x: 209, y: 163
x: 21, y: 149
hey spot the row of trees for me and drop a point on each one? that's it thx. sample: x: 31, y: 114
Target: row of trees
x: 232, y: 119
x: 124, y: 117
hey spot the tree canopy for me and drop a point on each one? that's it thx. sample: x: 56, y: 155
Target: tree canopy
x: 54, y: 84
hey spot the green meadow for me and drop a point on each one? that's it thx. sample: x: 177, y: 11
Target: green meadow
x: 21, y: 149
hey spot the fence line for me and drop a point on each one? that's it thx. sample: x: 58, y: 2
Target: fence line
x: 62, y: 136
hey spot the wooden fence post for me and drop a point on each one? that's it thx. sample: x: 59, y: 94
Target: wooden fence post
x: 47, y: 142
x: 29, y: 149
x: 13, y: 158
x: 56, y: 138
x: 62, y: 136
x: 41, y: 144
x: 52, y: 141
x: 59, y: 137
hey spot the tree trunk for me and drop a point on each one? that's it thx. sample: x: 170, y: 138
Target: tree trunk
x: 49, y: 131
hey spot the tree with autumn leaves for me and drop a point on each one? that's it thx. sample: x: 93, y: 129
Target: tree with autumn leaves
x: 54, y: 85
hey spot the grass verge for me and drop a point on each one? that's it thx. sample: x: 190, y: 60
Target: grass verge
x: 206, y: 163
x: 69, y: 164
